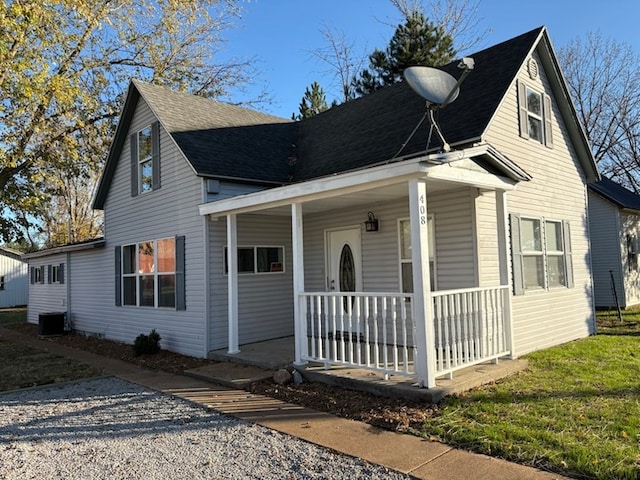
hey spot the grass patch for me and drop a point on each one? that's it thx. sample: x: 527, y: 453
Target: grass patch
x: 23, y: 366
x: 13, y: 315
x: 575, y: 411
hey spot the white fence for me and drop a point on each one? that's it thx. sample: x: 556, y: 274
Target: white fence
x: 376, y: 331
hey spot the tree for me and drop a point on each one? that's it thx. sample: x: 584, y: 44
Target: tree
x: 603, y: 77
x: 64, y: 65
x: 458, y: 18
x: 313, y: 102
x: 343, y: 63
x: 415, y: 42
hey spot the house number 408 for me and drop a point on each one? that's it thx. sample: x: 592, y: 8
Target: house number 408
x: 422, y: 208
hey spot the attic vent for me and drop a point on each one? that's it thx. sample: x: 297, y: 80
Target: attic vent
x: 532, y: 66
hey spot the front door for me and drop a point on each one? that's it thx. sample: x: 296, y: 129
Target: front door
x: 344, y: 262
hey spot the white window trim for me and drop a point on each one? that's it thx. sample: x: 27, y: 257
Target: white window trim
x: 137, y: 274
x: 432, y: 251
x: 545, y: 253
x: 255, y: 260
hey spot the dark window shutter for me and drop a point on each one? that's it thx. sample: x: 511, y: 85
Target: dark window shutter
x: 32, y: 275
x: 180, y: 281
x: 61, y: 273
x: 522, y: 108
x: 49, y: 271
x: 516, y: 255
x: 568, y: 255
x: 548, y: 126
x: 134, y: 164
x: 155, y: 155
x: 118, y: 276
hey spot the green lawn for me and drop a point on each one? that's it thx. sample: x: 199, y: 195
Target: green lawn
x: 575, y: 411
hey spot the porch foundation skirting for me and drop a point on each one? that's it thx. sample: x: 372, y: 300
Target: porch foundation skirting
x: 376, y: 331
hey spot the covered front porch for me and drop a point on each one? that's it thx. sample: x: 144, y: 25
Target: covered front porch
x: 278, y: 353
x: 420, y: 330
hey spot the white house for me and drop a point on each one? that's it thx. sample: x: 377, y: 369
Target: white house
x: 14, y: 287
x: 225, y: 226
x: 614, y: 217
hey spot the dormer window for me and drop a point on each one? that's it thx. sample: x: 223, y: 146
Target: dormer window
x: 535, y: 115
x: 145, y: 159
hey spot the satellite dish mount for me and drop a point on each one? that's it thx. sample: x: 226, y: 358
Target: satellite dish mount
x: 439, y: 89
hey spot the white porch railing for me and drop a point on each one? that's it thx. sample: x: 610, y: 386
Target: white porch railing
x: 471, y: 326
x: 363, y: 330
x: 376, y: 330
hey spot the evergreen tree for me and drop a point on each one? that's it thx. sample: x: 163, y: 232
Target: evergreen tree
x: 313, y: 102
x: 416, y: 42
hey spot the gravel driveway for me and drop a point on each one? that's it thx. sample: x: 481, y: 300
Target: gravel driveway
x: 107, y: 428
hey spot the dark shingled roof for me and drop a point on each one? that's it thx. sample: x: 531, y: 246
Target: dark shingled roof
x: 223, y: 140
x: 372, y: 129
x: 616, y: 193
x: 230, y: 142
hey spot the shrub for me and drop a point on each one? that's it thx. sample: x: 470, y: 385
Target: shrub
x: 147, y: 343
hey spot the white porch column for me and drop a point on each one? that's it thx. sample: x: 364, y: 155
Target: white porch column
x: 232, y: 278
x: 503, y: 259
x: 300, y: 321
x: 425, y: 361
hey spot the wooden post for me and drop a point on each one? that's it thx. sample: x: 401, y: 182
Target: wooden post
x: 232, y: 279
x: 425, y: 362
x: 297, y: 248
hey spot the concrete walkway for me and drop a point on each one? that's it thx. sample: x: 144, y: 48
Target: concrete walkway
x: 417, y: 457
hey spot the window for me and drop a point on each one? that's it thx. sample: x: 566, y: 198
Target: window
x: 37, y: 274
x: 56, y: 273
x: 541, y: 251
x: 149, y: 273
x: 258, y: 260
x: 145, y: 159
x: 535, y: 115
x: 406, y: 267
x: 1, y: 282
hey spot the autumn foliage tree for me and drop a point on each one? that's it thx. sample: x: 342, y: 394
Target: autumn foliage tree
x: 64, y: 65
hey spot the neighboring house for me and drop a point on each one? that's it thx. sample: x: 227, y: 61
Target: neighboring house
x: 14, y: 287
x: 225, y: 226
x: 614, y: 219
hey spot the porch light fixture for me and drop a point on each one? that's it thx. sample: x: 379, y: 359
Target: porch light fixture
x: 371, y: 225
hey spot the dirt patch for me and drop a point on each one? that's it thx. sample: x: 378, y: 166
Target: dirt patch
x: 388, y: 413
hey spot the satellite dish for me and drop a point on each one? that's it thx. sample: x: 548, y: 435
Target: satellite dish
x: 439, y: 89
x: 435, y: 86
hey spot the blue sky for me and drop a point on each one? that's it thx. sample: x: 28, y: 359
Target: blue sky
x: 281, y: 34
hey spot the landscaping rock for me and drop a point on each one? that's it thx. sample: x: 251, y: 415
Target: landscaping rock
x: 282, y: 377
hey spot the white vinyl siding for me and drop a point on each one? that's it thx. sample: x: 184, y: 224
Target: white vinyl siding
x: 557, y: 190
x: 380, y: 264
x: 265, y: 301
x: 167, y: 212
x: 46, y: 296
x: 16, y: 281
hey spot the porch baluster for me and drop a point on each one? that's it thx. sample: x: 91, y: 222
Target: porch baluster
x: 394, y: 319
x: 385, y: 338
